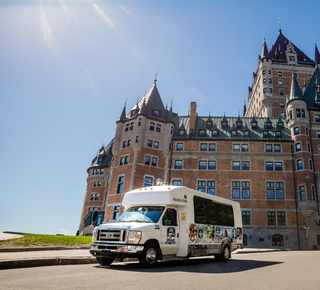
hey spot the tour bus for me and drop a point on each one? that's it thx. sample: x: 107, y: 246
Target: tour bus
x: 165, y: 222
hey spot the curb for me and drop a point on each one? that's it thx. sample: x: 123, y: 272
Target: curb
x: 39, y: 262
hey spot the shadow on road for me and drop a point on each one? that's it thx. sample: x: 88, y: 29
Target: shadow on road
x: 205, y: 265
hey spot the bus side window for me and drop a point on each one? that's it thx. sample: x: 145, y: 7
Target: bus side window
x: 170, y: 217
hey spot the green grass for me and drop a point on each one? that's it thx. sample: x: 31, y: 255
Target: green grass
x: 48, y: 240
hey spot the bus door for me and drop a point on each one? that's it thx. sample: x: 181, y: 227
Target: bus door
x: 170, y: 232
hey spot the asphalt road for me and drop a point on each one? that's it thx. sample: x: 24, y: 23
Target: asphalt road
x: 273, y: 270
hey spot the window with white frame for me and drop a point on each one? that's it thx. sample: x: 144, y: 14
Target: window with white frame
x: 148, y: 181
x: 208, y: 186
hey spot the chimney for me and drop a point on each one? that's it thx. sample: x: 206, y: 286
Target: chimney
x: 193, y: 117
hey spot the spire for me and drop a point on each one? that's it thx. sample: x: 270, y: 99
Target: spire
x: 316, y: 54
x: 123, y: 114
x: 170, y: 114
x: 264, y: 49
x: 244, y: 109
x: 295, y: 92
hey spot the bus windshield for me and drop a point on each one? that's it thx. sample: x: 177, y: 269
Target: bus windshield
x: 148, y: 214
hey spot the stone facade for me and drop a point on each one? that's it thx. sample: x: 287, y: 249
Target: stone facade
x: 268, y: 160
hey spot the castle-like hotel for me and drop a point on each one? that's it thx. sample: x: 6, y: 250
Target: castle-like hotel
x: 268, y: 159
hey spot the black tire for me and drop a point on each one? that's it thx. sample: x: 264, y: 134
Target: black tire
x: 105, y: 261
x: 225, y: 255
x: 149, y: 256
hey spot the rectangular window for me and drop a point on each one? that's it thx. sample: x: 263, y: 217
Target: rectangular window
x: 179, y: 147
x: 298, y: 147
x: 298, y: 113
x: 202, y: 133
x: 278, y: 166
x: 280, y: 190
x: 120, y: 184
x: 154, y: 161
x: 269, y: 166
x: 212, y: 165
x: 271, y: 218
x: 235, y: 165
x: 116, y: 212
x: 202, y: 164
x: 233, y: 133
x: 245, y: 189
x: 181, y: 133
x: 246, y: 220
x: 212, y: 147
x: 147, y: 160
x: 129, y: 143
x: 281, y: 216
x: 299, y: 164
x: 158, y: 128
x: 265, y: 134
x: 178, y: 164
x: 302, y: 193
x: 206, y: 186
x: 244, y: 147
x: 277, y: 148
x: 203, y: 147
x: 156, y: 145
x: 235, y: 189
x: 126, y: 160
x: 318, y: 134
x: 246, y: 134
x: 236, y: 147
x: 245, y: 165
x: 268, y: 148
x: 152, y: 125
x: 149, y: 143
x: 176, y: 182
x: 148, y: 181
x: 270, y: 190
x: 137, y: 139
x: 317, y: 118
x: 121, y: 161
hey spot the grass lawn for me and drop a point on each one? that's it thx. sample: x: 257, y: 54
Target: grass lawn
x: 31, y: 240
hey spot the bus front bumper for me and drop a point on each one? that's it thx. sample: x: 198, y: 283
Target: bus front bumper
x: 115, y: 250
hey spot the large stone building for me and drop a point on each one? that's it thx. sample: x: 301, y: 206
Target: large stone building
x: 268, y: 160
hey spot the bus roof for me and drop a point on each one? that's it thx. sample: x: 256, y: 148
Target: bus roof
x: 167, y: 194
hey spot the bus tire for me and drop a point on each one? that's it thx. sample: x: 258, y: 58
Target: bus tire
x: 104, y: 261
x: 149, y: 256
x: 225, y: 255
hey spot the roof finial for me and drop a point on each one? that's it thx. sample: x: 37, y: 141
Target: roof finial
x: 155, y: 79
x: 315, y: 43
x: 264, y: 36
x: 279, y: 25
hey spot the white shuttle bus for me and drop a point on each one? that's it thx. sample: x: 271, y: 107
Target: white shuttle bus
x: 165, y: 222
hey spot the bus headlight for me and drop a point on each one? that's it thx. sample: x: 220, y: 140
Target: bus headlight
x: 94, y: 235
x: 134, y: 237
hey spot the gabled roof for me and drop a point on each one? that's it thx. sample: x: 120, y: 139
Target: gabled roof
x: 105, y: 153
x: 277, y: 52
x: 316, y: 55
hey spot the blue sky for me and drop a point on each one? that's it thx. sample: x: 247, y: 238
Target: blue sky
x: 68, y: 66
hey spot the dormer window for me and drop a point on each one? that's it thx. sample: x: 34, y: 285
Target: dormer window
x: 280, y: 125
x: 234, y: 133
x: 133, y: 112
x: 254, y: 125
x: 278, y: 134
x: 215, y: 133
x: 202, y: 133
x: 209, y: 124
x: 224, y: 124
x: 182, y: 133
x: 268, y: 125
x: 239, y: 124
x: 156, y: 113
x: 265, y: 134
x: 246, y: 133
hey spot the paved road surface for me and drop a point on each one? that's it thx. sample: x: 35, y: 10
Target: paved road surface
x: 275, y: 270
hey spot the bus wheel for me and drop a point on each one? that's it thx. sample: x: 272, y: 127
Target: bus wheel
x: 225, y: 255
x: 149, y: 255
x: 104, y: 261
